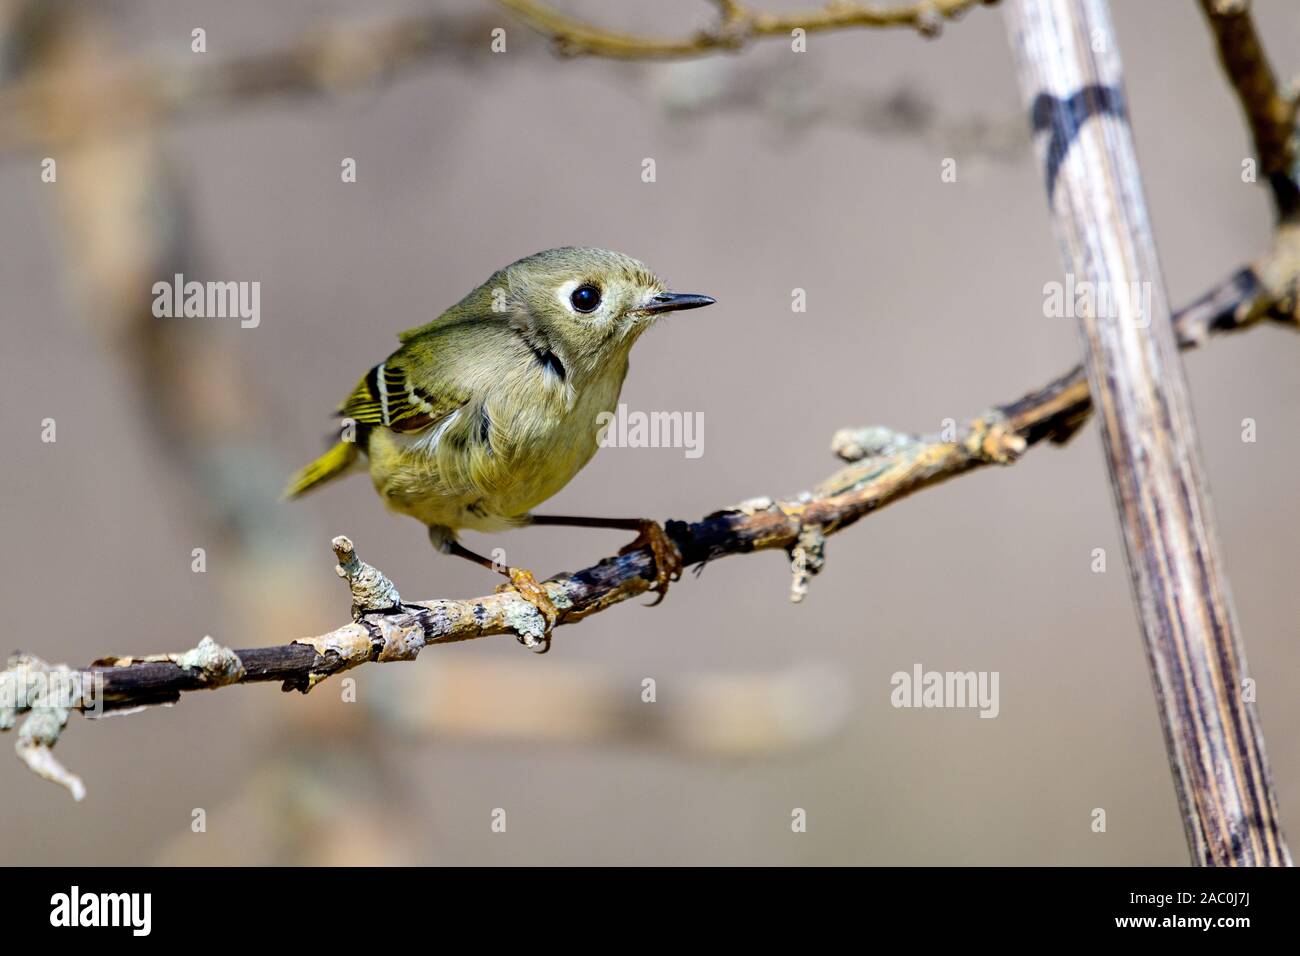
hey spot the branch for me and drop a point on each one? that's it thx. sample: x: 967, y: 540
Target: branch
x: 1272, y: 118
x: 736, y: 26
x: 1271, y: 115
x: 885, y: 466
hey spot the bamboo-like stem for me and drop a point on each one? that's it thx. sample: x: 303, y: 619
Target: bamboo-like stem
x: 1071, y: 78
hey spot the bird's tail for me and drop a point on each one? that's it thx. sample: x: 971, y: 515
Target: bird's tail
x: 335, y: 462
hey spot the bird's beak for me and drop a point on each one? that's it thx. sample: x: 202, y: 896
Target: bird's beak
x: 674, y: 301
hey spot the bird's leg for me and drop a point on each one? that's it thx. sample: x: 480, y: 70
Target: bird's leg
x: 521, y: 580
x: 668, y: 560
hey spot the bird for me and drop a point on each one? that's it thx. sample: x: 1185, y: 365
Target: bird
x: 491, y: 408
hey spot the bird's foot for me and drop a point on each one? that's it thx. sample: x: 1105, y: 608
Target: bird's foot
x: 528, y: 588
x: 668, y: 560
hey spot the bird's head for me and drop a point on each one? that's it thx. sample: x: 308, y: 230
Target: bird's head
x: 587, y: 306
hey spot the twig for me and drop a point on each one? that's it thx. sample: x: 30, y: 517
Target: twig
x: 1270, y: 113
x: 736, y: 26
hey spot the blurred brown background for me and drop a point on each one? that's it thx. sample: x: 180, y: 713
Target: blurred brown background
x: 775, y: 171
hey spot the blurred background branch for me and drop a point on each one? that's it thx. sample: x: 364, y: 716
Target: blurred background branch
x: 737, y: 24
x: 54, y: 99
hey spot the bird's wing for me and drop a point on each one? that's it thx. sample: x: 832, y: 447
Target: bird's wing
x: 493, y: 302
x: 388, y: 396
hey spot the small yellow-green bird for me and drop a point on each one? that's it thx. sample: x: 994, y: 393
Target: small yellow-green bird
x: 491, y: 408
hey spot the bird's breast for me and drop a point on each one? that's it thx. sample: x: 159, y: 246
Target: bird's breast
x: 498, y: 457
x: 544, y: 445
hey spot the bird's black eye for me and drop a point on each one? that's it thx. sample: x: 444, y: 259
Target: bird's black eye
x: 585, y: 298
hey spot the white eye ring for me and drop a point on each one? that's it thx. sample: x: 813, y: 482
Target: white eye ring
x: 568, y: 290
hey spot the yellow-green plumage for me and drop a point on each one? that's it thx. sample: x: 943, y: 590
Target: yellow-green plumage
x: 334, y: 463
x: 495, y: 405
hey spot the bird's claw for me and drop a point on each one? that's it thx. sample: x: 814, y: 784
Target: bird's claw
x: 526, y: 585
x: 668, y: 560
